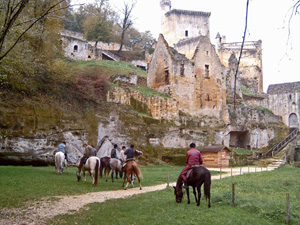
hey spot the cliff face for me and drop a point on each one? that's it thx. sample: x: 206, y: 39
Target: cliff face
x: 32, y: 129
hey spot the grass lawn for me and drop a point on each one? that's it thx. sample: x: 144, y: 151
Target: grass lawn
x: 19, y: 184
x: 260, y: 198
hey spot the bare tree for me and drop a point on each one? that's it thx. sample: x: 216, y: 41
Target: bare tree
x: 241, y: 51
x: 12, y: 18
x: 126, y: 22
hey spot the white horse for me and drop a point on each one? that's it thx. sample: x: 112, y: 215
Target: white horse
x: 92, y: 165
x: 60, y: 161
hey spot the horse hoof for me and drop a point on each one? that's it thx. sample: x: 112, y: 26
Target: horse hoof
x: 125, y: 188
x: 140, y: 188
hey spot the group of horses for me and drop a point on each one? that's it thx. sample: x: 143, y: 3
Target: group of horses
x: 94, y: 165
x: 196, y: 176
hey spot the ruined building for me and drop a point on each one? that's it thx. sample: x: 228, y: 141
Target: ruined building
x: 182, y: 30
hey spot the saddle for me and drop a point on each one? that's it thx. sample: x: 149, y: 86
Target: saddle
x: 188, y: 173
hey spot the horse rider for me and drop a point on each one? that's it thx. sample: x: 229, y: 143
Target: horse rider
x: 131, y: 152
x: 113, y: 153
x: 122, y: 155
x: 88, y: 152
x: 193, y: 157
x: 62, y: 148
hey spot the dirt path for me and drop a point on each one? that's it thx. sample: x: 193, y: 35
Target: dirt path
x: 39, y: 212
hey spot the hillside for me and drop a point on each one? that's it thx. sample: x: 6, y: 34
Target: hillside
x: 74, y: 107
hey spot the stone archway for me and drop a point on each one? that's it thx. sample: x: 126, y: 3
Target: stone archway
x: 293, y: 121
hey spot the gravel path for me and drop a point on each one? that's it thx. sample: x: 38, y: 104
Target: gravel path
x: 39, y: 212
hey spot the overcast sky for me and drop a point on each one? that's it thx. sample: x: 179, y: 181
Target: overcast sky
x: 267, y: 21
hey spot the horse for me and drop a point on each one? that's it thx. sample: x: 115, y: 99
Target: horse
x: 197, y: 177
x: 60, y: 161
x: 131, y: 168
x: 104, y: 164
x: 115, y: 165
x: 92, y: 165
x: 110, y: 164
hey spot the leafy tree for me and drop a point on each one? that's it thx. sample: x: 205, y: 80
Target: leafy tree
x: 73, y: 19
x: 29, y: 44
x: 17, y: 18
x: 99, y: 21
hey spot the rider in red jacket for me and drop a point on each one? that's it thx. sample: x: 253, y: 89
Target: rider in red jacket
x: 193, y: 157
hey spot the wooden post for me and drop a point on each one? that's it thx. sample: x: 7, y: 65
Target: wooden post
x: 255, y: 169
x: 220, y: 172
x: 240, y: 170
x: 231, y: 171
x: 168, y: 179
x: 287, y: 209
x: 260, y: 168
x: 248, y: 168
x: 233, y: 195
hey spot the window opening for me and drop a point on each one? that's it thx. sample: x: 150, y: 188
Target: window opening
x: 182, y: 69
x: 75, y: 48
x: 186, y: 33
x: 166, y: 75
x: 206, y: 71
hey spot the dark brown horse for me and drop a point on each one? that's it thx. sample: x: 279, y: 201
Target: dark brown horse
x: 130, y: 169
x: 104, y: 164
x: 197, y: 177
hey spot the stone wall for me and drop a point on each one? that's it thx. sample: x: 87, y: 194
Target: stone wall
x: 181, y: 24
x: 157, y: 107
x: 251, y: 69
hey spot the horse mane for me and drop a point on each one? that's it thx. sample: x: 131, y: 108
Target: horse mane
x: 179, y: 181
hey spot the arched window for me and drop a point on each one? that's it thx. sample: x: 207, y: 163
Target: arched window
x: 75, y: 48
x: 293, y: 121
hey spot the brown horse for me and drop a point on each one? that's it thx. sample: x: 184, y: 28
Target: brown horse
x: 131, y: 168
x: 197, y: 177
x: 104, y: 164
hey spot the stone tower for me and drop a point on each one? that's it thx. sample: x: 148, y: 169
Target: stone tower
x: 165, y: 5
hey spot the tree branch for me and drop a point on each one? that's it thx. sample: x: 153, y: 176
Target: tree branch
x: 237, y: 69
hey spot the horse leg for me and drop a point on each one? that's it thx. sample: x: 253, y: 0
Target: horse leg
x: 194, y: 191
x: 132, y: 179
x: 188, y: 194
x: 84, y: 178
x: 139, y: 182
x: 106, y: 174
x: 116, y: 174
x: 124, y: 180
x: 199, y: 194
x: 112, y: 176
x: 66, y: 164
x: 128, y: 179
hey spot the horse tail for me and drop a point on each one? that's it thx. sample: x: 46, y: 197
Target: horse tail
x: 207, y: 183
x: 101, y: 167
x: 137, y: 171
x: 96, y: 171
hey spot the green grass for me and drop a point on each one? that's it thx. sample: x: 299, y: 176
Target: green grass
x: 148, y: 92
x: 260, y: 198
x: 111, y: 67
x: 19, y: 184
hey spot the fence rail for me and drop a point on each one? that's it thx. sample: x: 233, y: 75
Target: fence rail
x: 278, y: 147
